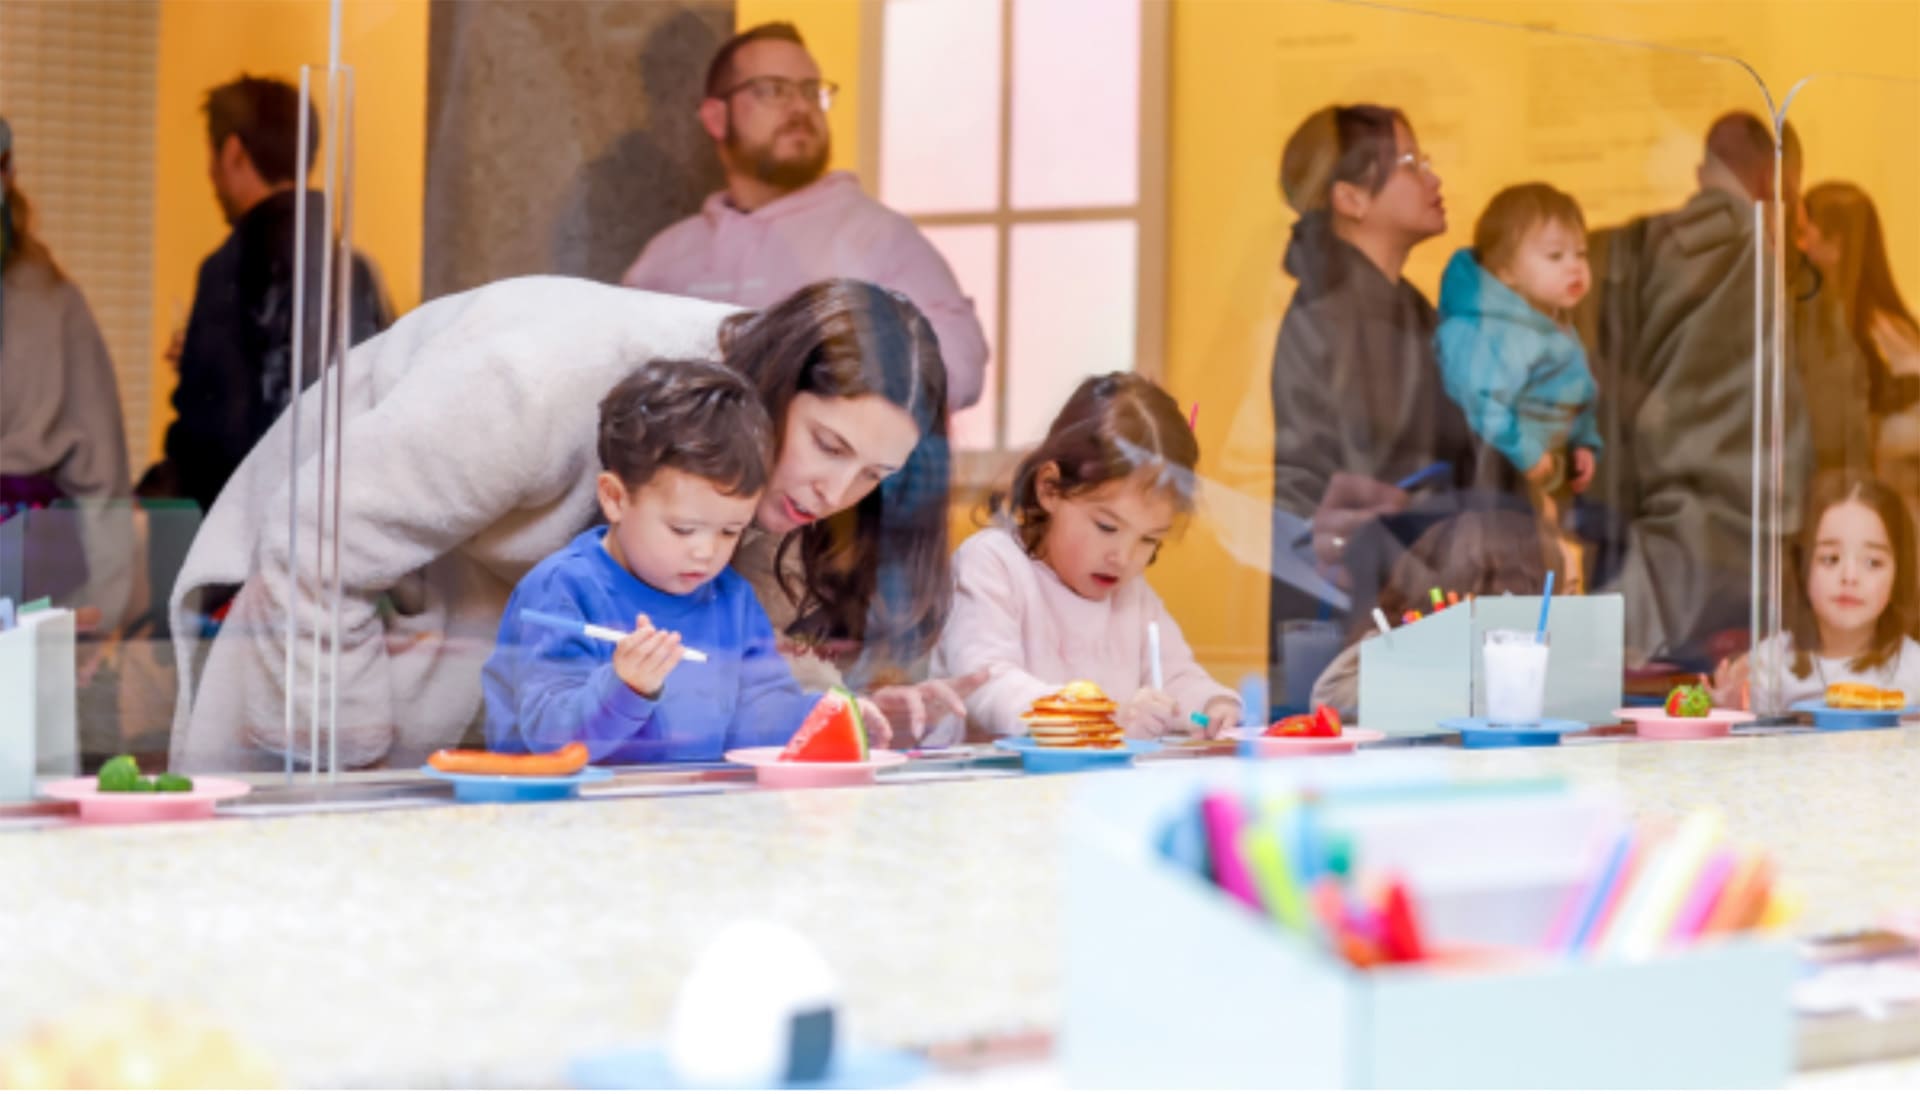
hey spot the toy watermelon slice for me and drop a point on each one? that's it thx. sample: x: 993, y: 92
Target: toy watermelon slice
x: 832, y: 734
x: 1689, y: 701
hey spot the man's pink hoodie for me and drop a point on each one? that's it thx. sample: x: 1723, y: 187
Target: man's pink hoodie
x: 828, y: 229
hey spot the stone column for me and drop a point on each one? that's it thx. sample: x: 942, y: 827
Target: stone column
x: 562, y: 136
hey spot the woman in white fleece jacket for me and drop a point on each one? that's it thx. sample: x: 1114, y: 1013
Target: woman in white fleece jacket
x: 469, y: 433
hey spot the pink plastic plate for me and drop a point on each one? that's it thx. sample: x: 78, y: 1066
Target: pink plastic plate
x: 1654, y: 723
x: 1257, y: 745
x: 780, y: 774
x: 143, y: 808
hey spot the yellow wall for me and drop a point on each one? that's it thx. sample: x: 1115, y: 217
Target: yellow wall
x: 1238, y: 86
x: 208, y: 42
x: 832, y: 31
x: 1632, y: 124
x: 1242, y: 75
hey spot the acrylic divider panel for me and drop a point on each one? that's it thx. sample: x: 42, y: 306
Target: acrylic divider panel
x: 1655, y: 350
x: 1849, y: 271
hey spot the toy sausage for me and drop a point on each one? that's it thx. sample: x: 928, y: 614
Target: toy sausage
x: 466, y: 761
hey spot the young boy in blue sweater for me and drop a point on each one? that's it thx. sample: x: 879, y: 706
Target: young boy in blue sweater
x: 685, y: 446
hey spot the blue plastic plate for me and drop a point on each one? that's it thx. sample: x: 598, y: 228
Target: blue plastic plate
x: 1480, y: 733
x: 1058, y: 761
x: 647, y: 1069
x: 517, y: 788
x: 1826, y: 717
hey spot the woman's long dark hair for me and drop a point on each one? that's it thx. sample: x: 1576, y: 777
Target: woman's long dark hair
x: 22, y: 244
x: 875, y: 574
x: 1845, y: 214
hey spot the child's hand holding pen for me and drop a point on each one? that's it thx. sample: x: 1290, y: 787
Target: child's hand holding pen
x: 643, y: 658
x: 1221, y: 714
x: 1150, y: 713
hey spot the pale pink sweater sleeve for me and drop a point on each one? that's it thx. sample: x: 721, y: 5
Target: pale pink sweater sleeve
x: 1192, y: 689
x: 984, y: 631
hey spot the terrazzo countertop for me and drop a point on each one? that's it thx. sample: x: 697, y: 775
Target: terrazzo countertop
x: 485, y: 945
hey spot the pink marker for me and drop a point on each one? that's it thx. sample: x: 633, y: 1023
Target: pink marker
x: 1706, y: 893
x: 1221, y: 814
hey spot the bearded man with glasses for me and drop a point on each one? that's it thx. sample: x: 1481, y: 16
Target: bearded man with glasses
x: 784, y: 221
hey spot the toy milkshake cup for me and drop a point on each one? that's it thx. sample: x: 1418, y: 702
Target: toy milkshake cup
x: 1516, y: 675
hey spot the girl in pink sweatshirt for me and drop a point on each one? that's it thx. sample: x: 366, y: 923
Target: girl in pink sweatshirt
x: 1054, y: 590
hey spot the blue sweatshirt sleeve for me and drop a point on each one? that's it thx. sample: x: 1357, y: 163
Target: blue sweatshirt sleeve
x: 1486, y: 384
x: 771, y: 705
x: 546, y: 688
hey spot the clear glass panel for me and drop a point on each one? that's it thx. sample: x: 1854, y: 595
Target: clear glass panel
x: 1076, y: 103
x: 1852, y: 350
x: 1071, y: 301
x: 974, y: 253
x: 1654, y: 368
x: 940, y: 120
x: 79, y: 386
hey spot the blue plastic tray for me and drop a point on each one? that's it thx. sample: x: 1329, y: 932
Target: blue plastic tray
x: 1832, y: 718
x: 517, y: 788
x: 1480, y: 733
x: 1059, y: 761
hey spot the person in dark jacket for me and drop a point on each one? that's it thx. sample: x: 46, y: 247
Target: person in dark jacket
x: 1358, y: 403
x: 1671, y: 326
x: 1355, y: 384
x: 236, y: 361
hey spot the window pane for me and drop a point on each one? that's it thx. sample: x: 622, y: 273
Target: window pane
x: 974, y: 253
x: 940, y: 106
x: 1076, y: 103
x: 1070, y: 314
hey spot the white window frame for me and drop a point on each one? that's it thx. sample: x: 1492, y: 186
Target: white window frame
x: 975, y: 468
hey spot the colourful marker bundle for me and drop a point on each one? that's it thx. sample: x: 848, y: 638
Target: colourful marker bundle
x: 1276, y: 859
x: 1279, y: 858
x: 1646, y: 894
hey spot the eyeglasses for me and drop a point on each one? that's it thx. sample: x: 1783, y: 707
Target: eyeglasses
x: 1419, y: 161
x: 778, y: 90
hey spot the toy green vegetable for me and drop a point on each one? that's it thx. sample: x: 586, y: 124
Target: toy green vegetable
x: 120, y: 775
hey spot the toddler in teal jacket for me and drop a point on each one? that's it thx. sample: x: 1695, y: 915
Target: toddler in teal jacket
x: 1507, y: 355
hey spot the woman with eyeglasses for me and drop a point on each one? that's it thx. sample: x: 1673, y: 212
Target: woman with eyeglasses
x: 1356, y: 391
x: 1358, y: 405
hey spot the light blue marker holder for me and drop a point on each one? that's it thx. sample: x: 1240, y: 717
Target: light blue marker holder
x: 1172, y: 983
x: 1430, y: 670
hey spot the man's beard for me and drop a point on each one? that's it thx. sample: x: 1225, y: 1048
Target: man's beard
x: 762, y: 163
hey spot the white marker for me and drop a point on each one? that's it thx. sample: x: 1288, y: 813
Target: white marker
x: 1153, y: 656
x: 1380, y: 620
x: 594, y: 630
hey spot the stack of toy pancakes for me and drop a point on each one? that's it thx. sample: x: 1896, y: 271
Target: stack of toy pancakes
x: 1077, y: 716
x: 1856, y: 696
